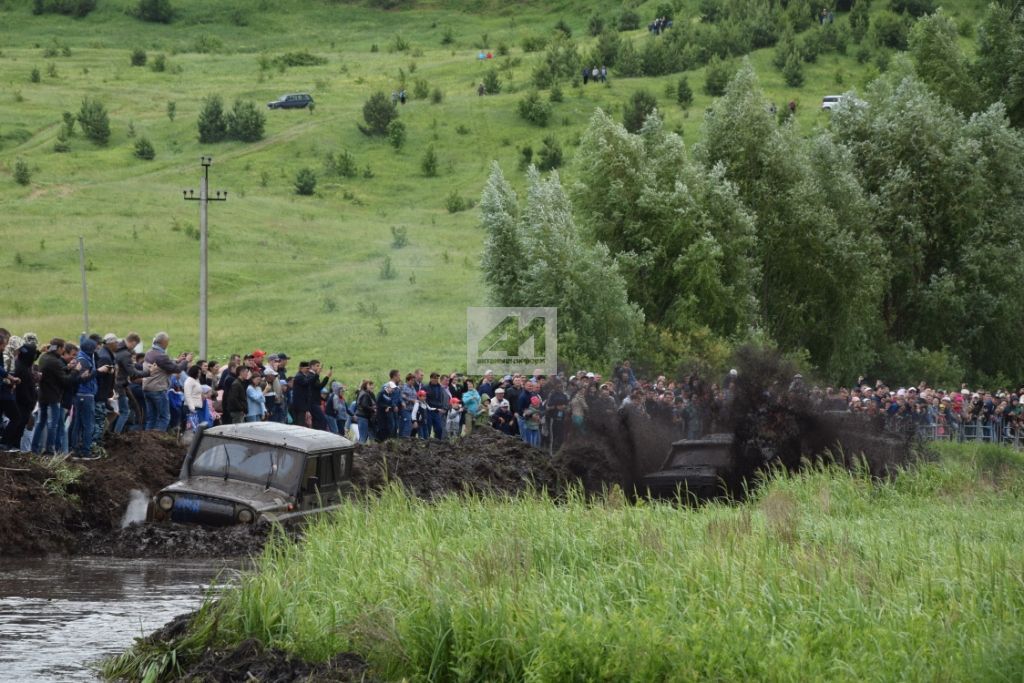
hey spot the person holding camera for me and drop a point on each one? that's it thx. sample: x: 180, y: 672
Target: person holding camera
x: 160, y: 368
x: 305, y: 406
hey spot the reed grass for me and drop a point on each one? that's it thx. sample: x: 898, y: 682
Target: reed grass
x: 824, y: 575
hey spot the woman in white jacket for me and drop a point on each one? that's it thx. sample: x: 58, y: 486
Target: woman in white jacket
x: 193, y: 390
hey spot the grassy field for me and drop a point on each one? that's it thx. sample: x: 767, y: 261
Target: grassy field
x: 301, y: 274
x: 822, y: 576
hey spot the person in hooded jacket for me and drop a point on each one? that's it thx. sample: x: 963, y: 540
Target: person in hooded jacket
x: 25, y: 393
x: 83, y: 424
x: 8, y: 403
x: 56, y: 376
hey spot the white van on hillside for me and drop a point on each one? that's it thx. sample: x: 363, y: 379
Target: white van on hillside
x: 831, y: 102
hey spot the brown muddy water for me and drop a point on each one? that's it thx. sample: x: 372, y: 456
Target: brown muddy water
x: 60, y: 616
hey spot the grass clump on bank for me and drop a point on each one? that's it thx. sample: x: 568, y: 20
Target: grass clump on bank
x: 824, y: 575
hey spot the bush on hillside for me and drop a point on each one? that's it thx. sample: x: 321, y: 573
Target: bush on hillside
x: 595, y: 25
x: 93, y: 120
x: 159, y: 11
x: 159, y: 63
x: 793, y: 71
x: 717, y: 77
x: 212, y: 126
x: 73, y: 8
x: 138, y: 57
x: 302, y: 58
x: 245, y: 122
x: 639, y: 107
x: 429, y: 163
x: 305, y: 182
x: 144, y: 149
x: 915, y: 8
x: 341, y: 164
x: 629, y: 21
x: 889, y: 30
x: 378, y: 112
x: 550, y: 155
x: 535, y: 110
x: 684, y: 93
x: 396, y: 134
x: 22, y: 173
x: 492, y: 83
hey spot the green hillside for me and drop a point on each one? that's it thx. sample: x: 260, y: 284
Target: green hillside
x: 288, y: 272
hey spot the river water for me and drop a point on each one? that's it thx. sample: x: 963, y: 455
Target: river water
x: 59, y: 616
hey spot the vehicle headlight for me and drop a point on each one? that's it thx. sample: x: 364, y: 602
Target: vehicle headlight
x: 245, y: 515
x: 166, y: 502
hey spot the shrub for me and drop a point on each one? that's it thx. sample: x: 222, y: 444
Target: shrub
x: 889, y: 30
x: 639, y: 107
x: 159, y: 63
x: 448, y: 37
x: 492, y: 83
x: 535, y: 110
x: 563, y: 28
x: 387, y: 269
x: 212, y: 126
x: 22, y: 173
x: 34, y: 76
x: 396, y: 134
x: 429, y: 163
x: 93, y: 120
x: 556, y: 94
x: 436, y: 96
x: 793, y: 71
x: 455, y: 202
x: 525, y: 157
x: 341, y: 164
x: 915, y: 8
x: 684, y: 93
x: 245, y: 122
x: 595, y: 25
x: 144, y: 149
x: 716, y: 77
x: 629, y: 21
x: 399, y: 236
x: 172, y: 110
x: 378, y: 112
x: 305, y: 182
x: 420, y: 89
x: 51, y: 70
x: 68, y: 120
x: 62, y: 145
x: 533, y: 43
x: 550, y: 155
x: 73, y: 8
x: 159, y: 11
x: 302, y: 58
x: 138, y: 57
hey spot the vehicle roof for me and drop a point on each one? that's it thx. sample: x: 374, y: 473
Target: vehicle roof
x: 295, y: 94
x: 277, y: 434
x: 832, y: 97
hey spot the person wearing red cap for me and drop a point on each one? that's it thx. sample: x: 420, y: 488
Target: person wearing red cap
x: 418, y: 416
x: 453, y: 429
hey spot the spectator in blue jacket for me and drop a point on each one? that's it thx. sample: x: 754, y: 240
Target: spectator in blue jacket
x: 83, y: 423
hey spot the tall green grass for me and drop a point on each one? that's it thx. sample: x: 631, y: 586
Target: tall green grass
x: 821, y: 576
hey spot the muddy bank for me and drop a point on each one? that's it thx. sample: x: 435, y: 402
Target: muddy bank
x: 48, y: 507
x: 485, y: 461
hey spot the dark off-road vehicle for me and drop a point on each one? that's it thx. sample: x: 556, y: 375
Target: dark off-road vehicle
x: 699, y: 469
x: 258, y: 471
x: 294, y: 101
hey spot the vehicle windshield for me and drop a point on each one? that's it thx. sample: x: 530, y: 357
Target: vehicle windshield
x: 255, y: 463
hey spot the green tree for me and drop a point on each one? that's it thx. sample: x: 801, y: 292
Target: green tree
x: 492, y: 83
x: 138, y: 57
x: 860, y: 19
x: 999, y: 68
x: 561, y: 62
x: 159, y: 11
x: 93, y: 120
x: 378, y: 112
x: 396, y: 134
x: 813, y: 229
x: 534, y: 109
x: 144, y: 149
x: 596, y: 321
x: 641, y: 104
x: 305, y: 182
x: 939, y: 62
x: 245, y: 122
x: 793, y: 72
x: 684, y: 241
x: 429, y: 163
x: 684, y: 93
x: 211, y: 123
x: 22, y: 173
x: 550, y: 156
x: 716, y: 76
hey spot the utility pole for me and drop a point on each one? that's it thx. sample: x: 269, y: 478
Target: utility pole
x: 204, y: 198
x: 85, y: 290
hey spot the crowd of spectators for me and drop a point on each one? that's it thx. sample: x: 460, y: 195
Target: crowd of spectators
x: 64, y: 397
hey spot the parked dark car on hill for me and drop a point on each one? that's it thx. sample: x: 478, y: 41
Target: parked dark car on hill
x: 294, y: 101
x: 256, y: 471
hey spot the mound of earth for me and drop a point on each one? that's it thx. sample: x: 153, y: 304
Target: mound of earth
x: 47, y: 507
x: 180, y: 541
x: 485, y: 461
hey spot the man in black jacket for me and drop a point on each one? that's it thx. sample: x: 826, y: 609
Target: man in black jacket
x: 306, y: 395
x: 57, y: 377
x: 124, y: 361
x: 105, y: 379
x: 437, y: 406
x: 235, y: 402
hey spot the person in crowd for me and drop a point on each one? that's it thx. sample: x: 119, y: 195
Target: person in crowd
x: 437, y: 405
x: 409, y: 399
x: 236, y: 401
x: 159, y: 368
x: 454, y: 418
x: 83, y: 423
x: 256, y: 404
x: 471, y: 402
x: 56, y: 375
x: 193, y: 390
x: 531, y: 421
x: 125, y: 373
x: 306, y: 388
x: 366, y: 410
x: 556, y: 412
